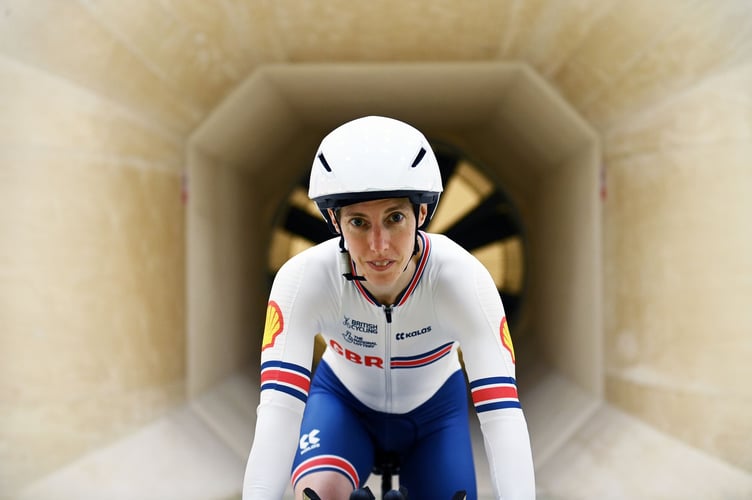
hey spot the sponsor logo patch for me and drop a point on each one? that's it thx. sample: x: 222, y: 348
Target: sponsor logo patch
x: 414, y: 333
x: 358, y: 340
x: 506, y: 338
x: 273, y: 326
x: 355, y: 330
x: 309, y: 441
x: 360, y: 326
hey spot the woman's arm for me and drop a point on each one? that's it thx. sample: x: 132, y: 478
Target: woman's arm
x: 475, y: 312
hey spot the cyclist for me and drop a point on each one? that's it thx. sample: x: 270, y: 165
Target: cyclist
x: 393, y: 304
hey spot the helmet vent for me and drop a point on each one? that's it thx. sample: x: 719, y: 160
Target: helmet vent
x: 326, y: 165
x: 420, y: 156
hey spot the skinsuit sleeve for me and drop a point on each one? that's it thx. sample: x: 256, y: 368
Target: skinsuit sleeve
x: 296, y: 302
x: 469, y: 303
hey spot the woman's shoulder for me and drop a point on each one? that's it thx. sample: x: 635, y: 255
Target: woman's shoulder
x: 315, y: 262
x: 456, y: 274
x: 446, y: 251
x: 451, y: 264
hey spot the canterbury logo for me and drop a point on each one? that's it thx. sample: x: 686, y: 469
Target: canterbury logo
x: 309, y: 441
x: 273, y: 326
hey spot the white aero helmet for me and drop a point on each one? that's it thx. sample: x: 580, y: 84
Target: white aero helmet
x: 373, y: 158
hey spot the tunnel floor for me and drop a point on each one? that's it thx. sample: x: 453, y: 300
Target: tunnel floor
x: 583, y: 449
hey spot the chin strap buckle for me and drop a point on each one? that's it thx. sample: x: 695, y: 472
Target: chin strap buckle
x: 346, y: 266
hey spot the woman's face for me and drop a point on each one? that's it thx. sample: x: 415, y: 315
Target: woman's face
x: 380, y: 236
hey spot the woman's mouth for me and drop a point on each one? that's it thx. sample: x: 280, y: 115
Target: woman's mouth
x: 380, y: 265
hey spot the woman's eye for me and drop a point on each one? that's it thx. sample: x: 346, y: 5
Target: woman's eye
x: 397, y: 217
x: 357, y: 222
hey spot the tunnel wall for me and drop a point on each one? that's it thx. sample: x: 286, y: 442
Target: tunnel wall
x: 678, y: 272
x: 92, y: 272
x: 222, y: 271
x: 565, y: 268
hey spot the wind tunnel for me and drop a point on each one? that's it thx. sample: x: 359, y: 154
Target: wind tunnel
x: 487, y: 115
x: 246, y: 159
x: 130, y: 320
x: 262, y: 139
x: 243, y: 163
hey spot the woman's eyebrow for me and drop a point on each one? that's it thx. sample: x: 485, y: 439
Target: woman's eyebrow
x: 392, y: 208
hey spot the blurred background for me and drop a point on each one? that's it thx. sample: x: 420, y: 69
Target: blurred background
x: 596, y: 154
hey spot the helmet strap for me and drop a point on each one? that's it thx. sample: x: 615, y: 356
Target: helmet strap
x: 416, y: 209
x: 416, y: 248
x: 346, y: 264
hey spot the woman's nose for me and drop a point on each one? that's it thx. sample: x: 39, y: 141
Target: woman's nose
x: 379, y: 239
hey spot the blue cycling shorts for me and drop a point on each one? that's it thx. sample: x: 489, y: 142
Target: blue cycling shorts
x: 339, y: 433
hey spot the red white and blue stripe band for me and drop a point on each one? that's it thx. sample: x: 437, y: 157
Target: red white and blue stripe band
x: 494, y: 393
x: 422, y: 359
x: 326, y: 462
x: 289, y: 378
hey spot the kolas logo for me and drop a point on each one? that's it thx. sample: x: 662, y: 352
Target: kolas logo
x: 506, y: 338
x: 414, y: 333
x: 274, y: 324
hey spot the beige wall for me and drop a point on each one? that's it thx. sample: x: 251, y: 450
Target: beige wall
x: 92, y: 281
x: 99, y: 101
x: 678, y: 271
x: 565, y: 269
x: 224, y: 275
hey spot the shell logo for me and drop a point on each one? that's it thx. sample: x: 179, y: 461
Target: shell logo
x: 273, y: 326
x: 506, y: 338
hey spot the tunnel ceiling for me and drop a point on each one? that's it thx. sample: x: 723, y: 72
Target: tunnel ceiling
x: 505, y: 105
x: 171, y: 63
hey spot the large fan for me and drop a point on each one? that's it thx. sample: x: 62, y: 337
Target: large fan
x: 473, y: 211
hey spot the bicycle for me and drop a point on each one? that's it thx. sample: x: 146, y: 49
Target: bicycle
x: 386, y: 465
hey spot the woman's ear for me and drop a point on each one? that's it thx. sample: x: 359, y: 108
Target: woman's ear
x: 422, y: 214
x: 334, y: 220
